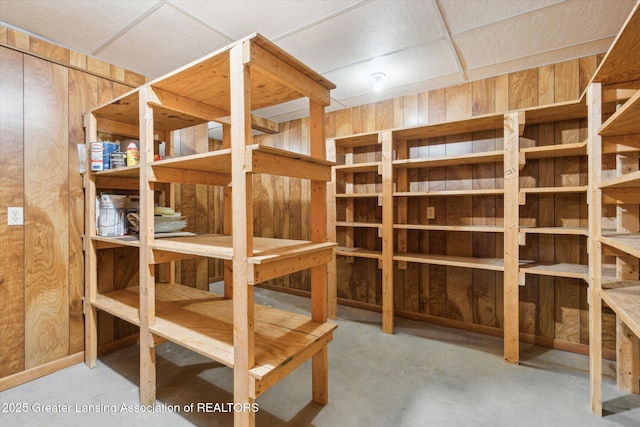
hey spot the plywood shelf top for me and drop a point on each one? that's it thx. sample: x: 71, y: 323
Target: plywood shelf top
x: 462, y: 159
x: 129, y: 172
x: 570, y: 271
x: 219, y: 246
x: 552, y: 190
x: 203, y: 322
x: 629, y: 180
x: 474, y: 124
x: 625, y: 302
x: 358, y: 252
x: 625, y: 242
x: 440, y: 193
x: 359, y: 140
x: 357, y: 195
x: 357, y: 224
x: 359, y: 167
x: 554, y: 151
x: 625, y: 121
x: 200, y: 91
x: 555, y: 112
x: 622, y: 61
x: 495, y: 264
x: 579, y: 231
x: 437, y: 227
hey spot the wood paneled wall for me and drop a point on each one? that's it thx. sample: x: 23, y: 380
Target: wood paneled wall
x: 553, y: 312
x: 44, y: 91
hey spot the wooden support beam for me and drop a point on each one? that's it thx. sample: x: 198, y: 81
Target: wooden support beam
x: 260, y: 161
x: 90, y: 255
x: 264, y: 125
x: 259, y: 273
x: 242, y: 205
x: 512, y: 128
x: 594, y: 201
x: 628, y: 358
x: 332, y: 268
x: 387, y: 233
x: 188, y: 176
x: 146, y: 272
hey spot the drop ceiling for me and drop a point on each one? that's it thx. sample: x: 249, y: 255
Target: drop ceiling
x: 418, y: 44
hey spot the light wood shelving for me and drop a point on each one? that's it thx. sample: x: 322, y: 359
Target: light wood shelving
x: 407, y: 158
x: 261, y: 344
x: 614, y: 152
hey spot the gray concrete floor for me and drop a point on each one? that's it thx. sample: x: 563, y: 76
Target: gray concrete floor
x: 423, y: 375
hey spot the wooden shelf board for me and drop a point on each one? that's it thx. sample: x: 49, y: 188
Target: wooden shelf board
x: 359, y: 140
x: 464, y: 159
x: 193, y: 85
x: 130, y: 172
x: 114, y: 242
x: 220, y: 246
x: 358, y: 252
x: 625, y: 242
x: 619, y: 65
x: 359, y: 168
x: 496, y: 264
x: 625, y: 302
x: 357, y: 195
x: 629, y: 180
x: 555, y: 112
x: 554, y: 151
x: 436, y: 227
x: 214, y: 167
x: 625, y: 121
x: 357, y: 224
x: 203, y: 322
x: 579, y: 231
x: 475, y: 124
x: 478, y: 192
x: 572, y: 271
x: 547, y: 190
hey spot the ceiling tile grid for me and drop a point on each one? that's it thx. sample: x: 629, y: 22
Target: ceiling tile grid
x: 418, y: 44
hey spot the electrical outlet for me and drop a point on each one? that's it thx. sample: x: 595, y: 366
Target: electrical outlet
x: 431, y: 212
x: 15, y: 216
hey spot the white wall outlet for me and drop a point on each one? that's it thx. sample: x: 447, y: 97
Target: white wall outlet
x: 15, y: 216
x: 431, y: 212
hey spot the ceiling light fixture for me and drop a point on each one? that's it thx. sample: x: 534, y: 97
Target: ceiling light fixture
x: 377, y: 80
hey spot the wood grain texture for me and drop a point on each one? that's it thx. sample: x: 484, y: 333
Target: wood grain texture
x: 567, y: 80
x: 46, y: 212
x: 11, y: 238
x: 523, y: 89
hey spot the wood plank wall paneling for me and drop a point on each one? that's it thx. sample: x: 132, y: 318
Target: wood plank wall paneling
x: 45, y: 89
x: 550, y: 307
x: 11, y: 238
x: 46, y: 212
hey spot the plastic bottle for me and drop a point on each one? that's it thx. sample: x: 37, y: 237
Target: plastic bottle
x: 133, y: 157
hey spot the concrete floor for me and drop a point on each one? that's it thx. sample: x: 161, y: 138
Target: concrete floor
x: 423, y: 375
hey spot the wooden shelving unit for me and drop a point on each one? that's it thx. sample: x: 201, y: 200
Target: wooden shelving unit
x: 261, y: 344
x: 614, y: 178
x: 553, y: 181
x: 432, y: 166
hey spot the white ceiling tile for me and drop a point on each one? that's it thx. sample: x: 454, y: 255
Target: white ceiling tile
x: 564, y: 24
x: 401, y: 68
x: 365, y: 32
x: 552, y: 57
x: 464, y: 15
x: 82, y: 25
x: 239, y: 18
x: 410, y: 89
x: 164, y: 41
